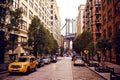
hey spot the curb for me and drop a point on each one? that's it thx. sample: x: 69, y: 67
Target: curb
x: 2, y: 72
x: 97, y: 73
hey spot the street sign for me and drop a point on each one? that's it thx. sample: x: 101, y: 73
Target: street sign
x: 86, y: 51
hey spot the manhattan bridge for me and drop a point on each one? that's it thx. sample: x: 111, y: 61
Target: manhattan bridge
x: 70, y: 31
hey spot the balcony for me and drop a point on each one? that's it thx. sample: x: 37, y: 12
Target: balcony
x: 90, y: 7
x: 98, y: 12
x: 98, y: 21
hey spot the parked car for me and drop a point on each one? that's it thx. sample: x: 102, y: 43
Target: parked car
x: 46, y: 59
x: 73, y: 57
x: 54, y: 58
x: 23, y: 64
x: 40, y: 62
x: 78, y: 60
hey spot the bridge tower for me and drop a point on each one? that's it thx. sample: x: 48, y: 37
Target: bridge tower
x: 70, y: 32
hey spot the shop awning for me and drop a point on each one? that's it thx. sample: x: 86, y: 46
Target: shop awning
x: 18, y: 50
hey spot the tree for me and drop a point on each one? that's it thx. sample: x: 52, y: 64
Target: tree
x: 101, y: 49
x: 5, y: 8
x: 15, y: 20
x: 10, y: 20
x: 90, y: 48
x: 82, y: 41
x: 33, y: 34
x: 40, y: 38
x: 56, y: 47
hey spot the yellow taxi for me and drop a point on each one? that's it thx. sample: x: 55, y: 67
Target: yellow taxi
x: 23, y: 64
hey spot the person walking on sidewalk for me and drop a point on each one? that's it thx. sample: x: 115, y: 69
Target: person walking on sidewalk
x: 99, y: 58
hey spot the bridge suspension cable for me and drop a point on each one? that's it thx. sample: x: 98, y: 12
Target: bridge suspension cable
x: 63, y: 26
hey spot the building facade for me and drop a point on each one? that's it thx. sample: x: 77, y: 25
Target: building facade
x: 102, y: 18
x: 81, y: 10
x: 110, y: 14
x: 92, y: 18
x: 55, y: 21
x: 44, y: 9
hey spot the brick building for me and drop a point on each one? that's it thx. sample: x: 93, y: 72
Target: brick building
x: 110, y: 15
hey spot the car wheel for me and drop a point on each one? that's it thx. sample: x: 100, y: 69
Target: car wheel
x: 28, y: 70
x: 10, y: 73
x: 74, y: 64
x: 38, y: 66
x: 35, y: 69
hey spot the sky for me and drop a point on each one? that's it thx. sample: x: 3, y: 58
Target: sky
x: 68, y: 9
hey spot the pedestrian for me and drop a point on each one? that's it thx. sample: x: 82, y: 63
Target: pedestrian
x: 99, y: 58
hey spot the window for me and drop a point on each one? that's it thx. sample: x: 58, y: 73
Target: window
x: 36, y: 0
x: 24, y: 9
x: 15, y: 3
x: 103, y: 6
x: 51, y: 17
x: 97, y: 1
x: 23, y: 39
x: 109, y: 14
x: 51, y: 22
x: 117, y: 9
x: 104, y: 34
x: 108, y: 2
x: 39, y: 12
x: 51, y: 11
x: 55, y: 17
x: 24, y: 25
x: 103, y: 1
x: 30, y: 15
x: 36, y: 8
x: 117, y: 26
x: 43, y: 8
x: 97, y: 9
x: 43, y: 17
x: 31, y: 3
x: 52, y: 6
x: 110, y: 32
x: 39, y: 3
x: 104, y: 18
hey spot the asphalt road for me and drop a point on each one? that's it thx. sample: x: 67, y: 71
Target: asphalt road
x: 62, y: 70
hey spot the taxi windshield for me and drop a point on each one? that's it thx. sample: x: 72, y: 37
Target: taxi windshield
x: 22, y: 60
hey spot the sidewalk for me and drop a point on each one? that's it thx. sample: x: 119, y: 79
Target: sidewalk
x: 107, y: 75
x: 3, y: 68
